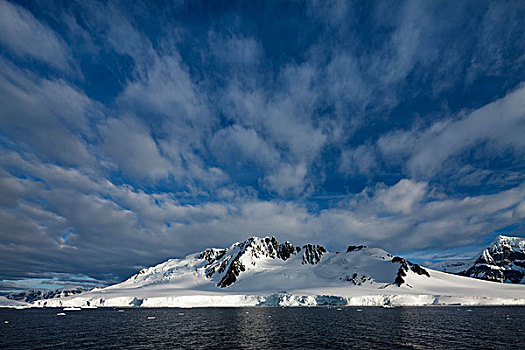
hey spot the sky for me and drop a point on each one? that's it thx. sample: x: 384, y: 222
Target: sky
x: 134, y: 132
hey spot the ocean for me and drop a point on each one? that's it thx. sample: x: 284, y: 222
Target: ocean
x: 437, y: 327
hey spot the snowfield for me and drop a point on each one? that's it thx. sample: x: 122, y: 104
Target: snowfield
x: 4, y: 302
x: 264, y: 272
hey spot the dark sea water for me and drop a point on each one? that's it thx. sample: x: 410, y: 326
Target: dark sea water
x: 266, y: 328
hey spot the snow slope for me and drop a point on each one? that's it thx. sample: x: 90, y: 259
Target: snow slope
x: 265, y: 272
x: 9, y: 303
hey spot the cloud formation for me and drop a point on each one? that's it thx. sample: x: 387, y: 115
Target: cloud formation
x: 130, y: 134
x: 500, y: 123
x: 26, y: 36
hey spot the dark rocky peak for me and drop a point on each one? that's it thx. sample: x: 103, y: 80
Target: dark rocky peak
x: 502, y: 261
x: 405, y: 265
x: 313, y: 253
x: 352, y: 248
x: 234, y: 260
x: 211, y: 254
x: 503, y: 251
x: 270, y: 247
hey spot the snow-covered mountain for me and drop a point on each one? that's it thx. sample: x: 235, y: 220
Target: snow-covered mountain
x: 32, y: 295
x: 261, y: 263
x: 264, y: 271
x: 502, y: 261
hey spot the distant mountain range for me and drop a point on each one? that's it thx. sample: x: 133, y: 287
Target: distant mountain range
x: 266, y: 272
x: 32, y: 295
x: 501, y: 261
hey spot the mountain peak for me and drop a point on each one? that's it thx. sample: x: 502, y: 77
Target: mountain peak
x: 502, y: 261
x: 242, y: 256
x: 510, y: 241
x: 260, y: 262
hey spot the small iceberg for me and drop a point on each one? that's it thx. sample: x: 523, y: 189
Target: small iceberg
x: 151, y: 317
x: 386, y: 306
x: 72, y: 309
x: 6, y: 322
x: 61, y: 314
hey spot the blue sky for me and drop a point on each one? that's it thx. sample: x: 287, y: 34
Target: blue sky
x: 133, y: 133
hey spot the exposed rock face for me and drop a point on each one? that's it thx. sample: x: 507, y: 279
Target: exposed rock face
x: 231, y: 262
x: 32, y: 295
x: 211, y: 254
x: 356, y: 280
x: 403, y: 269
x: 502, y: 261
x: 352, y: 248
x: 313, y: 253
x: 234, y: 260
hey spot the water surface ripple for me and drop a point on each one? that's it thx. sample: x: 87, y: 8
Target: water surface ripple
x: 266, y: 328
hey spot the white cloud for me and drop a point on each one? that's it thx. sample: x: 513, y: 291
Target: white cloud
x: 500, y: 123
x: 402, y: 197
x: 288, y: 179
x: 346, y: 84
x: 25, y: 36
x: 133, y: 227
x: 409, y: 216
x: 162, y: 94
x: 50, y: 116
x: 284, y: 119
x: 236, y: 145
x: 132, y: 148
x: 359, y: 160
